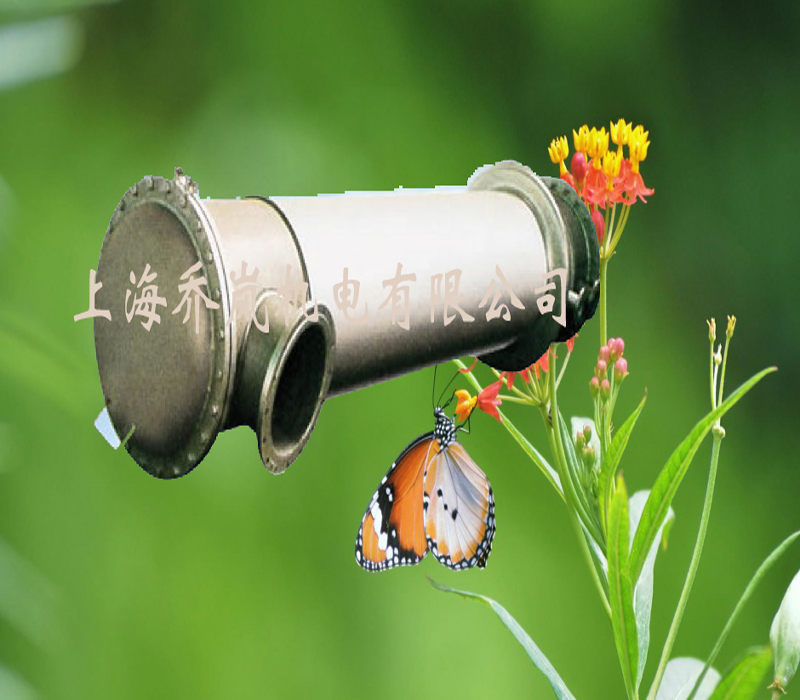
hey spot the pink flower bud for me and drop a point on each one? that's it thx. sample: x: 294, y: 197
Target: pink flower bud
x: 594, y: 387
x: 604, y: 354
x: 616, y: 347
x: 605, y: 389
x: 600, y: 369
x: 599, y: 222
x: 580, y: 442
x: 587, y: 433
x: 620, y: 369
x: 579, y: 168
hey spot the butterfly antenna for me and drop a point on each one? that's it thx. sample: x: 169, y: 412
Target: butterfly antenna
x: 433, y: 387
x: 439, y: 403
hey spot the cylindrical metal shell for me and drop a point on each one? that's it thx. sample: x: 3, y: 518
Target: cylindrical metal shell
x: 178, y: 383
x: 474, y: 230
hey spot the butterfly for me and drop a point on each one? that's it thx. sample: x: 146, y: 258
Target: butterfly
x: 433, y: 497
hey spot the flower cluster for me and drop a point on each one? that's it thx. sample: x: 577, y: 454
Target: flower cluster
x: 609, y: 373
x: 534, y: 390
x: 601, y: 175
x: 587, y: 452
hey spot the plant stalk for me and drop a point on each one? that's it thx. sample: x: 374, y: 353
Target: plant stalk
x: 557, y: 447
x: 603, y: 300
x: 693, y: 566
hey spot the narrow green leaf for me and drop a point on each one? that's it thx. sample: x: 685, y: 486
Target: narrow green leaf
x: 620, y: 589
x: 672, y: 474
x: 611, y: 461
x: 762, y: 570
x: 536, y: 457
x: 745, y: 679
x: 32, y: 363
x: 643, y: 589
x: 559, y: 687
x: 14, y: 687
x: 586, y: 505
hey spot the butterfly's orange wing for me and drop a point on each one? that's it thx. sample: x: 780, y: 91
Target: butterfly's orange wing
x: 392, y: 531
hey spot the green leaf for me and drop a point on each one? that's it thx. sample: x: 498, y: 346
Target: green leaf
x: 32, y: 358
x: 536, y: 457
x: 585, y: 507
x: 14, y: 687
x: 672, y: 474
x: 643, y: 590
x: 680, y: 675
x: 620, y: 590
x: 611, y: 461
x: 745, y: 679
x: 538, y: 658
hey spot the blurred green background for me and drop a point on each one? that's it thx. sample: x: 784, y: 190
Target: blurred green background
x: 231, y: 582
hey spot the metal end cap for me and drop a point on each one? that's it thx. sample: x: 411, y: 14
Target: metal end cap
x: 170, y: 383
x: 570, y: 242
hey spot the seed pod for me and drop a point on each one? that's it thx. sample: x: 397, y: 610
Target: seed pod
x: 784, y: 636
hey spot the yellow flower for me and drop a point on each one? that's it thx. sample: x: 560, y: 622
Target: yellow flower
x: 559, y: 150
x: 637, y: 145
x: 465, y: 404
x: 612, y: 161
x: 581, y: 139
x: 620, y: 132
x: 598, y: 145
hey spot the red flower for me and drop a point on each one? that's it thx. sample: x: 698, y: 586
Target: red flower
x: 594, y: 192
x: 567, y: 177
x: 488, y: 399
x: 542, y: 364
x: 571, y: 342
x: 509, y: 376
x: 470, y: 368
x: 599, y: 222
x: 579, y: 168
x: 635, y: 188
x: 595, y: 196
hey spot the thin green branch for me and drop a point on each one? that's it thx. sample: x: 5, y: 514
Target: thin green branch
x: 603, y: 300
x: 549, y: 473
x: 693, y: 566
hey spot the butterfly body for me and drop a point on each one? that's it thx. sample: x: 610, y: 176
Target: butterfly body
x: 434, y: 497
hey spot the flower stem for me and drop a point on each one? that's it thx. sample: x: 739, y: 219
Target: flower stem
x: 590, y: 562
x: 693, y: 566
x: 549, y: 473
x: 563, y: 369
x: 603, y: 300
x: 516, y: 399
x: 574, y: 504
x: 570, y: 478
